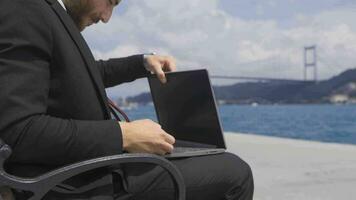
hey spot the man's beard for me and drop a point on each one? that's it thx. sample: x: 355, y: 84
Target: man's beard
x: 77, y: 9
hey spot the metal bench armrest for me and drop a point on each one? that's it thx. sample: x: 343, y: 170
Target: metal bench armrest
x: 42, y: 184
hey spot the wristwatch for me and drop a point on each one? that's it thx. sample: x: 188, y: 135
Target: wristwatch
x: 149, y: 54
x: 145, y: 64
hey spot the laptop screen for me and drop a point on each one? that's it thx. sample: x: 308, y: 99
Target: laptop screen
x: 185, y: 107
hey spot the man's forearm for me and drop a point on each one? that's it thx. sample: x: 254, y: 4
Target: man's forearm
x: 48, y: 140
x: 120, y: 70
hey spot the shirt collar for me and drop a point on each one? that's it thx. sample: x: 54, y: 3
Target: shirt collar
x: 62, y: 4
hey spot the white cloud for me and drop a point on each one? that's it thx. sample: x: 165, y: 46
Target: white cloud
x: 118, y: 51
x: 199, y: 34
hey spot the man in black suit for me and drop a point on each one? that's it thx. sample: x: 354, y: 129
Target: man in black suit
x: 54, y: 107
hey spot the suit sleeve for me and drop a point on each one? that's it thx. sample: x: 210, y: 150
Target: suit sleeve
x: 35, y: 136
x: 120, y: 70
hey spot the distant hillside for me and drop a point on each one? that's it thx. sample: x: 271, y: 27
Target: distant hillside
x: 329, y: 87
x: 264, y: 93
x: 142, y: 98
x: 278, y: 92
x: 281, y: 92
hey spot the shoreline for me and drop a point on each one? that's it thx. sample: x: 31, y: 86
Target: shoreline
x: 294, y: 169
x: 290, y: 139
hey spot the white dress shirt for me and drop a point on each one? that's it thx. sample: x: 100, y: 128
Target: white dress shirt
x: 62, y: 4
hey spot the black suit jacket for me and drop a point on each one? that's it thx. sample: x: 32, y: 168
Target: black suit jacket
x: 53, y: 106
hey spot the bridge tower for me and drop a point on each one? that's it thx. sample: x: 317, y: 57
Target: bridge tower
x: 310, y: 61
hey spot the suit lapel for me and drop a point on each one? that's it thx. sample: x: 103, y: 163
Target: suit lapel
x: 84, y: 51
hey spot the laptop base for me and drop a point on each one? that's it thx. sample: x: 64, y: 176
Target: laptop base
x: 193, y: 153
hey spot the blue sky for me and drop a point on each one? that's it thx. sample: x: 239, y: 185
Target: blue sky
x: 279, y: 10
x: 235, y: 37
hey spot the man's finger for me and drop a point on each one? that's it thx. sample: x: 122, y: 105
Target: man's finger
x: 169, y: 138
x: 167, y: 148
x: 170, y: 64
x: 160, y: 74
x: 156, y: 68
x: 163, y: 149
x: 162, y: 77
x: 160, y: 152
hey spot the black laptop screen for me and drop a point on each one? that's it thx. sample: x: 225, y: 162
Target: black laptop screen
x: 186, y: 108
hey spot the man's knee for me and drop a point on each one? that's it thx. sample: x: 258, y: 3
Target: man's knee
x: 238, y: 169
x: 241, y: 179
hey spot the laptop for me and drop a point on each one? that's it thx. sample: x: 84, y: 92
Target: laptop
x: 186, y: 108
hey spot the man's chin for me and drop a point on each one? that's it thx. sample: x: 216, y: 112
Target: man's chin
x: 82, y: 26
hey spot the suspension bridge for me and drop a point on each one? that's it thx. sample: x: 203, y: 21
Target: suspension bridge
x: 311, y: 63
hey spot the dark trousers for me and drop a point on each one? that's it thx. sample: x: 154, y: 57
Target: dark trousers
x: 214, y: 177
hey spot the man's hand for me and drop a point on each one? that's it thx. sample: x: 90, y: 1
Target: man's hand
x: 160, y: 64
x: 145, y: 136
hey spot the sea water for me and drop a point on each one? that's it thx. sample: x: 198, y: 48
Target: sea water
x: 326, y: 123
